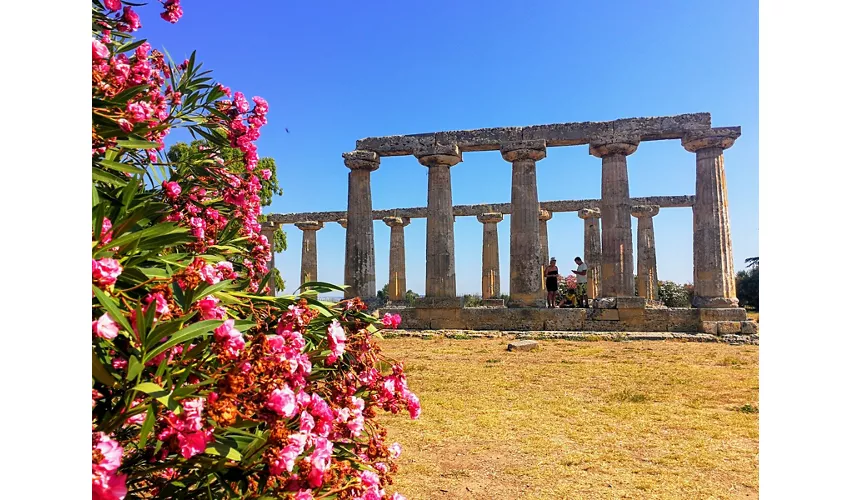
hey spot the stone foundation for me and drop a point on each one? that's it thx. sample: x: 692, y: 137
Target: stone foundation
x: 623, y: 317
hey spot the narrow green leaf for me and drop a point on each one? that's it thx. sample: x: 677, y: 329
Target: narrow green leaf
x: 121, y: 167
x: 146, y: 427
x: 321, y: 287
x: 157, y: 392
x: 106, y: 177
x: 185, y: 335
x: 166, y: 329
x: 205, y: 290
x: 137, y: 144
x: 219, y: 449
x: 134, y: 368
x: 95, y: 199
x: 100, y: 373
x: 111, y: 308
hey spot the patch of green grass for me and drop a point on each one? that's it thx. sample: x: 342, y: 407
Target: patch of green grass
x: 493, y: 361
x: 628, y: 396
x: 748, y: 408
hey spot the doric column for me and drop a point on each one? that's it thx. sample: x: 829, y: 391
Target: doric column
x: 526, y: 268
x: 544, y: 218
x: 490, y: 279
x: 398, y: 276
x: 267, y: 229
x: 592, y: 249
x: 440, y: 234
x: 359, y: 235
x: 647, y: 270
x: 617, y: 260
x: 714, y: 271
x: 309, y: 259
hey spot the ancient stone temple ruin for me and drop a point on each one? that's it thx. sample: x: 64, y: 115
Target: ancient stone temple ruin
x: 607, y: 230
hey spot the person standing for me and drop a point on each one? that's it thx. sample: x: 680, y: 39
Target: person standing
x: 551, y: 273
x: 581, y: 282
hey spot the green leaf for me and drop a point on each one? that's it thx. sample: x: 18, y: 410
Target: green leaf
x: 321, y: 287
x: 111, y: 308
x: 222, y: 450
x: 178, y: 295
x: 157, y: 392
x: 107, y: 178
x: 121, y: 167
x: 100, y: 373
x: 146, y: 427
x: 134, y: 368
x: 137, y: 144
x: 202, y: 292
x: 95, y: 199
x: 166, y: 329
x: 185, y: 335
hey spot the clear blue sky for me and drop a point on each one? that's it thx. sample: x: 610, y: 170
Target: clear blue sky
x: 334, y: 72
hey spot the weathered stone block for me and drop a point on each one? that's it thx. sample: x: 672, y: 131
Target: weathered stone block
x: 522, y: 345
x: 723, y: 314
x: 605, y: 315
x: 634, y: 317
x: 656, y: 320
x: 484, y: 139
x: 749, y: 327
x: 631, y: 303
x: 728, y: 327
x: 493, y: 303
x: 564, y: 319
x: 649, y: 335
x: 683, y: 319
x: 605, y: 303
x: 708, y: 327
x: 439, y: 302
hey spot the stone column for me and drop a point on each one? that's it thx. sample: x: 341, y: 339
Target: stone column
x: 526, y: 268
x: 544, y: 218
x: 617, y: 260
x: 647, y: 270
x: 309, y: 260
x: 398, y: 276
x: 267, y: 229
x: 490, y: 279
x: 440, y: 242
x: 592, y: 249
x: 360, y: 240
x: 714, y: 272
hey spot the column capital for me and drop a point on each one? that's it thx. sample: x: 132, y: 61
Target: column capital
x: 309, y: 225
x: 490, y: 217
x: 524, y: 150
x: 648, y: 211
x: 362, y: 160
x: 615, y: 144
x: 396, y: 221
x: 721, y: 137
x: 447, y: 155
x: 589, y: 213
x: 545, y: 215
x: 267, y: 227
x: 343, y: 222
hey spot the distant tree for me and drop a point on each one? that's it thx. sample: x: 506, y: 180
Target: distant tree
x: 410, y: 297
x: 747, y: 286
x: 233, y: 158
x: 752, y: 262
x: 384, y: 296
x: 673, y: 294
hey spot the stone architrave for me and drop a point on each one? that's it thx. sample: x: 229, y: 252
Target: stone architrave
x: 545, y: 217
x: 592, y: 249
x: 647, y: 269
x: 440, y: 235
x: 309, y: 259
x: 526, y: 268
x: 617, y: 259
x: 359, y: 235
x: 267, y: 229
x: 398, y: 276
x: 714, y: 272
x: 490, y: 279
x: 343, y: 222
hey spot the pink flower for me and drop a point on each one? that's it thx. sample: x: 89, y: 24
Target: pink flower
x: 224, y: 89
x: 336, y: 340
x: 105, y: 272
x: 172, y: 12
x: 192, y: 416
x: 289, y: 453
x: 320, y: 459
x: 193, y: 443
x: 105, y: 327
x: 172, y: 189
x: 413, y: 406
x: 99, y: 51
x: 106, y: 459
x: 369, y: 478
x: 226, y: 270
x: 240, y: 102
x: 391, y: 320
x: 131, y: 20
x: 119, y: 363
x: 395, y: 450
x: 209, y: 308
x: 139, y: 111
x: 106, y: 230
x: 266, y: 173
x: 161, y: 303
x: 304, y: 495
x: 209, y: 274
x: 230, y: 337
x: 282, y: 402
x: 398, y: 496
x: 112, y: 5
x: 125, y: 125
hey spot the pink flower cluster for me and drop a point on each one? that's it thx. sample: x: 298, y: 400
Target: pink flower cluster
x: 336, y: 341
x: 230, y: 339
x: 104, y: 327
x: 185, y: 432
x: 391, y: 320
x: 172, y: 12
x: 105, y: 271
x: 394, y: 393
x: 106, y: 482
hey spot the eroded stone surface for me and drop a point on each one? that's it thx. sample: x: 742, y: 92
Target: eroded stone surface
x: 523, y: 345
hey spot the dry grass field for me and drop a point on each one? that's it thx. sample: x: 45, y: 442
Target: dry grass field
x: 578, y: 420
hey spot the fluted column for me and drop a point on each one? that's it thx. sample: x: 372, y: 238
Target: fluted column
x: 526, y: 267
x: 490, y: 279
x: 647, y: 270
x: 359, y: 236
x: 268, y: 229
x: 592, y: 249
x: 309, y: 259
x: 714, y: 271
x: 544, y: 218
x: 617, y: 259
x: 440, y: 242
x: 398, y: 276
